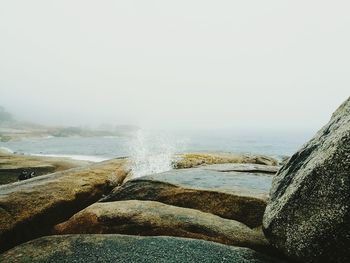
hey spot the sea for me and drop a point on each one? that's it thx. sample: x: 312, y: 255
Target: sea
x: 152, y: 151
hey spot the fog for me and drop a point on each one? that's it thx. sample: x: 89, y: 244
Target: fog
x: 175, y: 64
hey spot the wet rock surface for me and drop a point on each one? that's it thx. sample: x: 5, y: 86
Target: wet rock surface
x: 149, y: 218
x: 119, y: 248
x: 218, y: 177
x: 232, y: 195
x: 308, y: 216
x: 245, y: 167
x: 30, y: 208
x: 220, y: 203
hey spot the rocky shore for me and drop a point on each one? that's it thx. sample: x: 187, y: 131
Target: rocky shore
x: 210, y: 208
x: 13, y: 165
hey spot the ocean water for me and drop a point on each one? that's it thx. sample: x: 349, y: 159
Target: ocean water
x: 152, y: 151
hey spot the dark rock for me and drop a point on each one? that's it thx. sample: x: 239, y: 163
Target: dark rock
x: 308, y: 216
x: 25, y: 175
x: 119, y: 248
x: 243, y: 167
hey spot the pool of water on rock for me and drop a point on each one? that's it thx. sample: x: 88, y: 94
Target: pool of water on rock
x: 209, y: 179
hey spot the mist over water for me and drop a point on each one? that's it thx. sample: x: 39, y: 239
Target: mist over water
x: 184, y: 64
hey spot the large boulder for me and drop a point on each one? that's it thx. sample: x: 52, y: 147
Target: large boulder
x: 308, y: 215
x: 125, y: 249
x: 149, y: 218
x: 30, y: 208
x: 233, y: 195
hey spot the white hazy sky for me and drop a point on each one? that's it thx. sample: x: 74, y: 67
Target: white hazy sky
x: 252, y: 64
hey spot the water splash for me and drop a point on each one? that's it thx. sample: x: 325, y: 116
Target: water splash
x: 151, y: 153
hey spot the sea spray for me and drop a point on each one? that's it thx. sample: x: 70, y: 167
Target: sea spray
x: 152, y: 152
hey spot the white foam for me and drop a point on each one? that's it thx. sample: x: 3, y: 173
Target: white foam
x: 89, y: 158
x: 5, y: 150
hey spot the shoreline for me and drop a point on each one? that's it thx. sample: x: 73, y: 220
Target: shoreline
x: 89, y: 158
x: 76, y: 157
x: 12, y: 165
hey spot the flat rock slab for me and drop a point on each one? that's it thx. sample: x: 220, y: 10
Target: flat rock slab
x: 12, y: 165
x: 243, y: 167
x: 119, y: 248
x: 149, y: 218
x: 232, y: 195
x: 30, y: 208
x: 191, y: 160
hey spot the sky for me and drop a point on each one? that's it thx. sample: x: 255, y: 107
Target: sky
x: 175, y: 64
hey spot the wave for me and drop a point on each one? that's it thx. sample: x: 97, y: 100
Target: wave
x: 6, y: 150
x: 89, y: 158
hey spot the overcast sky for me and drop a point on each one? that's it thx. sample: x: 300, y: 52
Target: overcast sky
x: 194, y: 64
